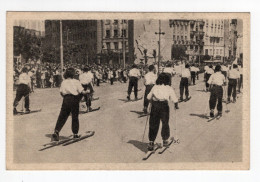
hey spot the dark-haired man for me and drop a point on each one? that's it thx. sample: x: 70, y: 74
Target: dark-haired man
x: 23, y: 90
x: 233, y: 76
x: 134, y: 75
x: 149, y: 81
x: 216, y: 81
x: 184, y: 83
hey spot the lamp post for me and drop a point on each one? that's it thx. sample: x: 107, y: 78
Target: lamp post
x: 159, y: 43
x: 61, y: 49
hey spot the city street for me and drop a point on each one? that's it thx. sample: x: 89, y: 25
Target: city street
x: 119, y: 131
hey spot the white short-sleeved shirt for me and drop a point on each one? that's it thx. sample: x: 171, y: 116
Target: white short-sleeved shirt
x: 169, y: 70
x: 185, y: 73
x: 210, y: 71
x: 217, y: 79
x: 150, y: 78
x: 162, y: 93
x: 193, y: 69
x: 71, y: 86
x: 134, y: 73
x: 86, y: 78
x: 24, y: 78
x: 233, y: 74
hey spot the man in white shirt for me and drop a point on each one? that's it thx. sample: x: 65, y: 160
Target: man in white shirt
x: 184, y: 83
x: 169, y: 71
x: 209, y: 71
x: 216, y: 81
x: 241, y: 78
x: 160, y: 96
x: 233, y: 76
x: 193, y: 71
x: 23, y: 90
x: 149, y: 82
x: 86, y: 80
x: 134, y: 74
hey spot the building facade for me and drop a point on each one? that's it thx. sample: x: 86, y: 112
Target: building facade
x: 117, y: 41
x: 81, y: 39
x: 188, y: 34
x: 214, y: 38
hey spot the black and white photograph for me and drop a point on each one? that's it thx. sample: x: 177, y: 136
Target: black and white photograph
x: 127, y: 90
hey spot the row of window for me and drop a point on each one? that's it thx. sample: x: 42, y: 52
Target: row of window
x: 115, y: 22
x: 217, y: 52
x: 116, y: 45
x: 116, y: 33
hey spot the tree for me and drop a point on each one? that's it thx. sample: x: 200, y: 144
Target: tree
x: 179, y: 52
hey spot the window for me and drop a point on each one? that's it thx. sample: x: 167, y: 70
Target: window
x: 115, y: 33
x: 173, y: 37
x: 185, y: 37
x: 108, y: 45
x: 220, y: 51
x: 107, y: 33
x: 178, y: 37
x: 124, y: 32
x: 206, y: 51
x: 116, y: 45
x: 191, y: 47
x: 181, y: 37
x: 124, y: 21
x: 115, y: 22
x: 216, y: 51
x: 107, y: 22
x: 185, y: 27
x: 181, y: 27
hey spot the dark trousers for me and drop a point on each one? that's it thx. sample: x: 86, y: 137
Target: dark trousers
x: 111, y: 81
x: 184, y: 84
x: 197, y: 74
x: 148, y: 88
x: 232, y: 85
x: 224, y: 73
x: 216, y: 95
x: 240, y: 83
x: 98, y: 81
x: 22, y: 91
x: 170, y: 78
x: 159, y: 111
x: 207, y: 76
x: 193, y: 76
x: 133, y: 82
x: 124, y: 79
x: 88, y: 97
x: 70, y: 105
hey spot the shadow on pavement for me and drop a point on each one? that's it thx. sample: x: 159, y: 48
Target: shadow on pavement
x: 140, y: 145
x: 202, y: 91
x: 60, y: 137
x: 200, y: 115
x: 138, y: 112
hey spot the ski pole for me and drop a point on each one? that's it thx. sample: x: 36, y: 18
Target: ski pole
x: 175, y: 128
x: 146, y: 121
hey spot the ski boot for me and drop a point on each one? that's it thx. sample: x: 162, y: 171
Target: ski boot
x: 150, y: 146
x: 15, y: 111
x: 234, y: 100
x: 27, y: 111
x: 145, y: 110
x: 166, y: 143
x: 76, y: 136
x: 128, y: 97
x: 228, y: 100
x: 55, y: 136
x: 211, y: 113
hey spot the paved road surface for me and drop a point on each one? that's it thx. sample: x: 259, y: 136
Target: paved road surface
x: 118, y: 130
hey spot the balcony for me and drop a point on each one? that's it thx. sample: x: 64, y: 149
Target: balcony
x: 192, y: 22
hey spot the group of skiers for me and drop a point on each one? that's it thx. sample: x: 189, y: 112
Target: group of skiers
x: 158, y: 92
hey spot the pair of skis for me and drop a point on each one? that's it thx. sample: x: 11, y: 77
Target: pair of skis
x: 215, y: 117
x: 161, y: 149
x: 32, y: 111
x: 67, y: 141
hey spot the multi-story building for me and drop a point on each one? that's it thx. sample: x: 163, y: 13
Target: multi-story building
x: 189, y: 34
x: 117, y: 40
x: 26, y: 43
x: 81, y: 39
x: 214, y: 38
